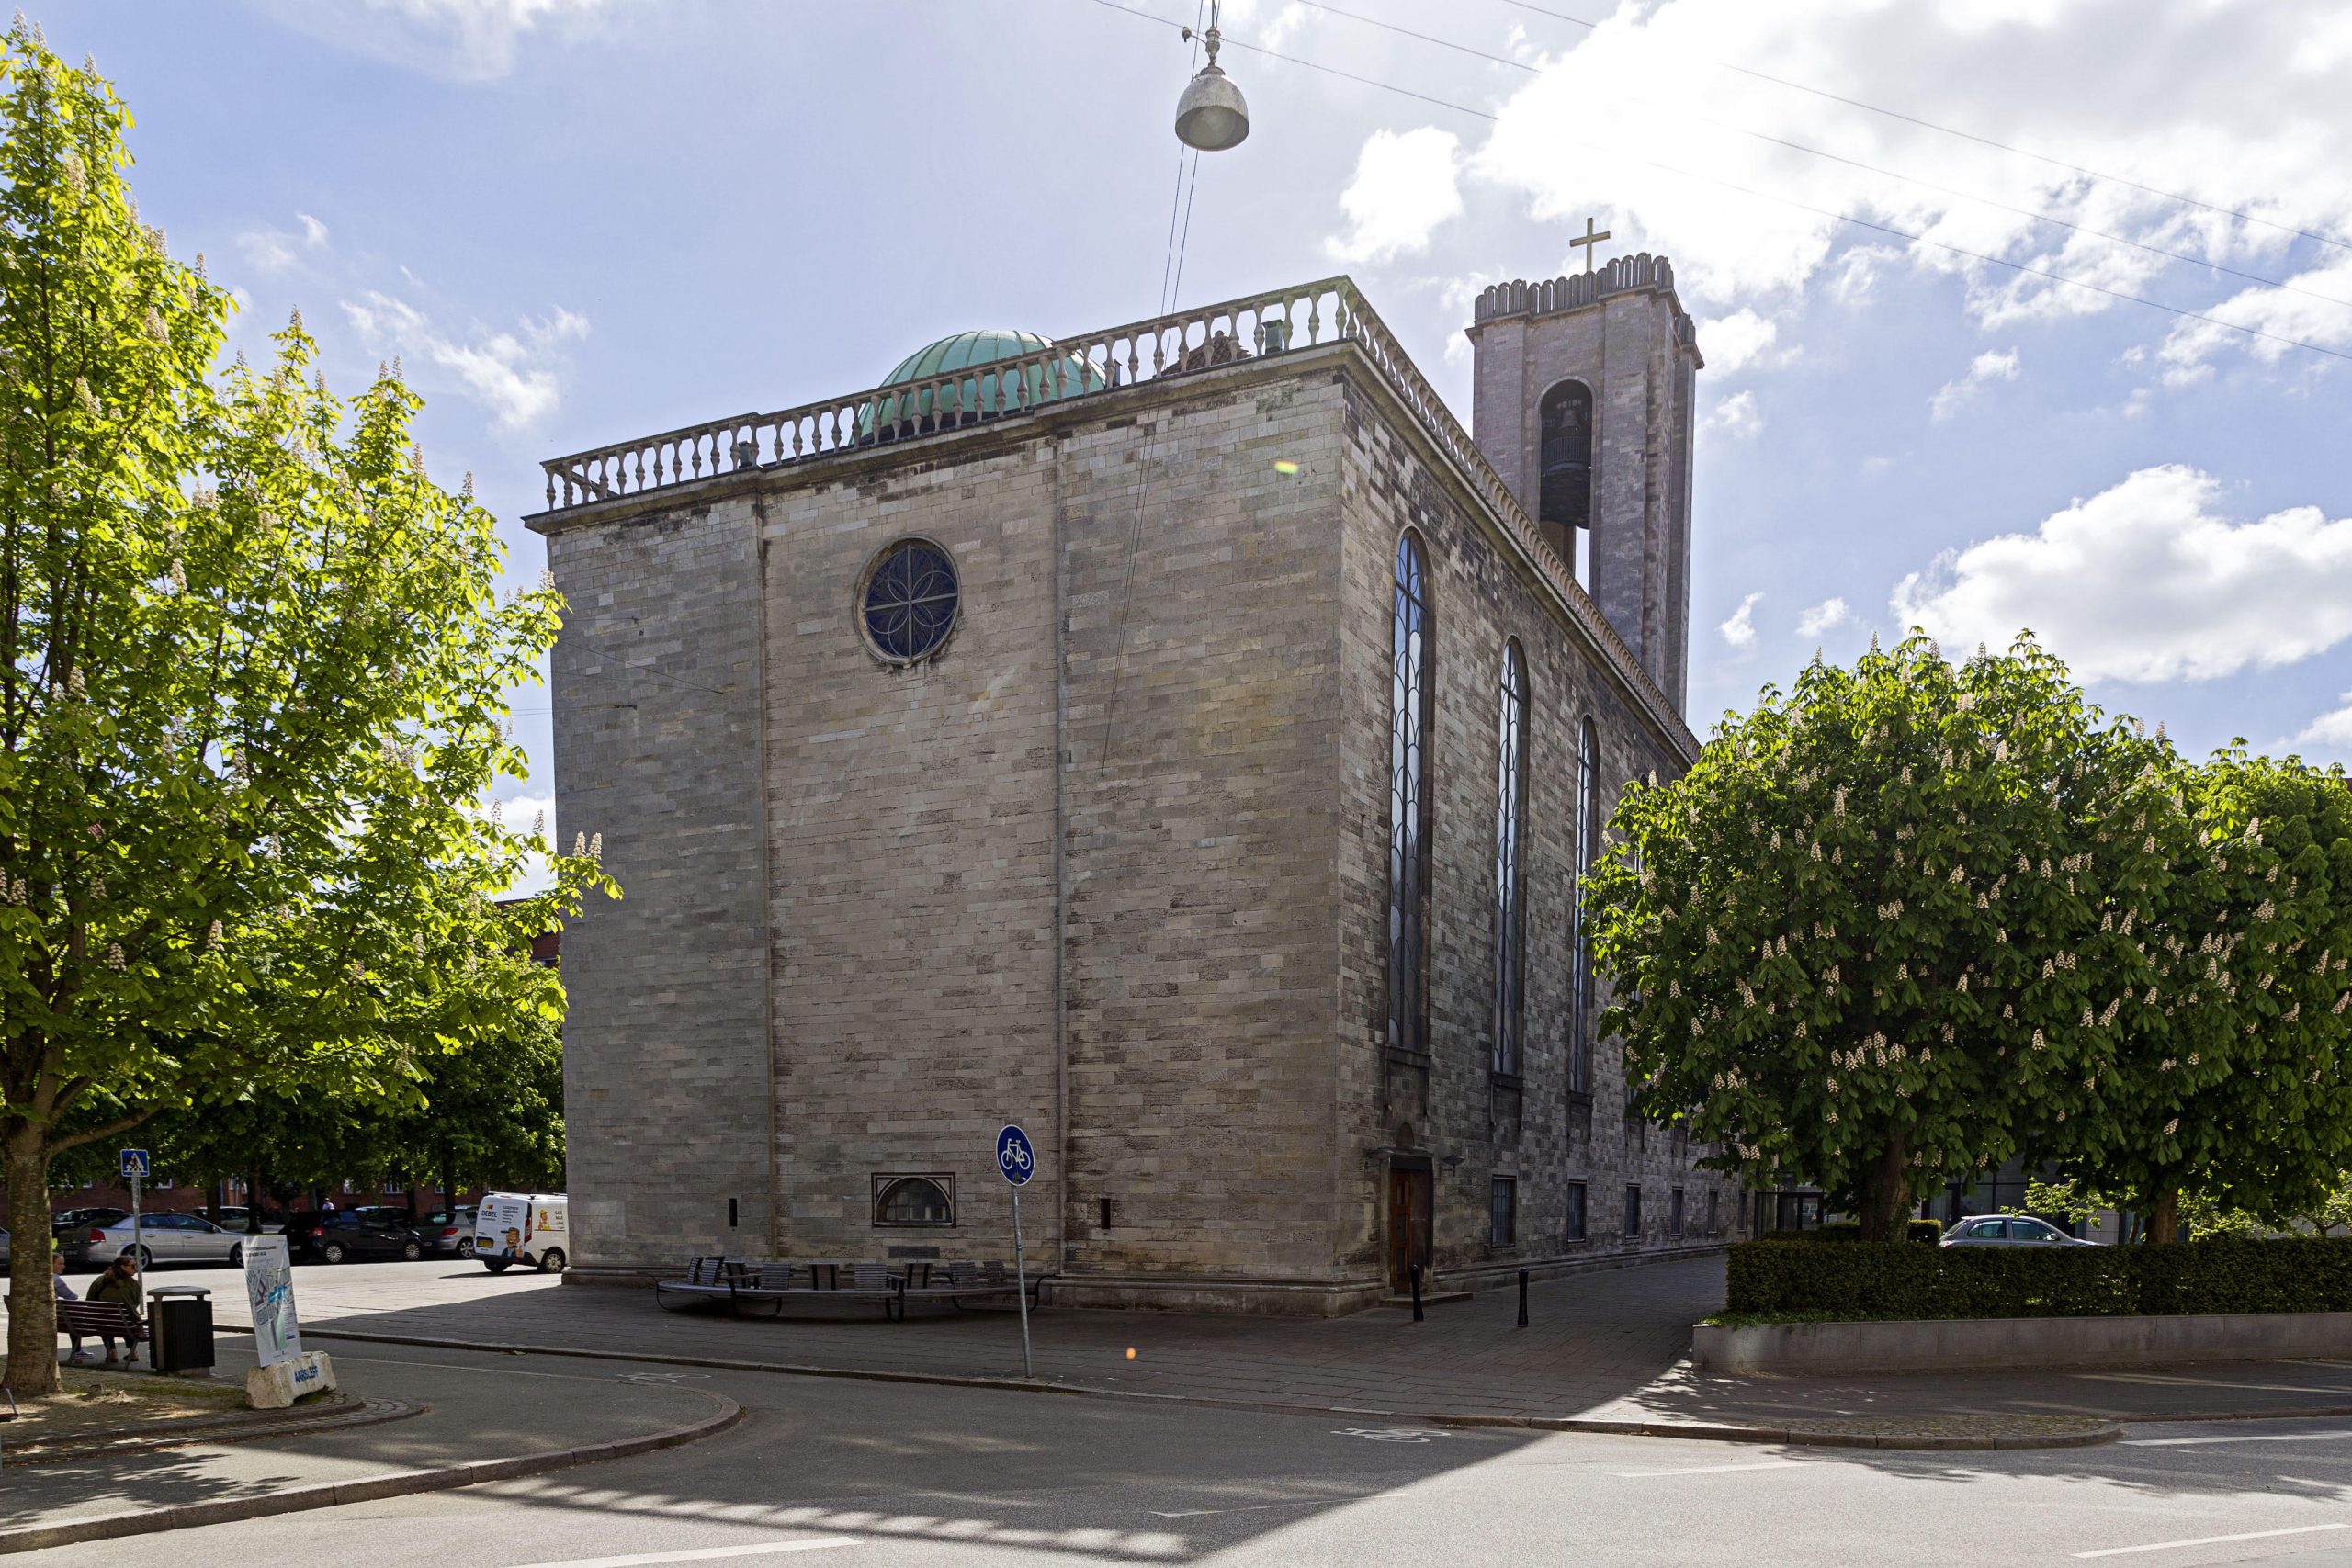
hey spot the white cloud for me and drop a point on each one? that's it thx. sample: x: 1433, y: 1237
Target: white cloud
x: 1735, y: 416
x: 510, y: 373
x: 2147, y: 582
x: 1740, y: 630
x: 1990, y: 366
x: 275, y: 250
x: 1826, y: 616
x: 2332, y: 729
x: 462, y: 40
x: 1614, y: 113
x: 1740, y: 340
x: 1405, y: 185
x: 2297, y: 311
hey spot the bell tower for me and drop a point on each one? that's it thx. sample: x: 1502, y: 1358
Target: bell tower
x: 1582, y: 401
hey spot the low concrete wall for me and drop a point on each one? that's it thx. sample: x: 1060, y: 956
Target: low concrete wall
x: 1945, y: 1344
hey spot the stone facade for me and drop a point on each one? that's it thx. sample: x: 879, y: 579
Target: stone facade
x: 1112, y: 864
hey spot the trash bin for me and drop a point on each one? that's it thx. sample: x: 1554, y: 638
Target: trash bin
x: 180, y: 1322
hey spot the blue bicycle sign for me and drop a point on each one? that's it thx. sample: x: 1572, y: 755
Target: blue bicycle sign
x: 1014, y: 1156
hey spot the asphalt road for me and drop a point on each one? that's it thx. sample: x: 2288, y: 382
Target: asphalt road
x: 884, y: 1474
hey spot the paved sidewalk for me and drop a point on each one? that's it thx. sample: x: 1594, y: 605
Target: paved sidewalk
x: 1610, y: 1346
x: 473, y: 1414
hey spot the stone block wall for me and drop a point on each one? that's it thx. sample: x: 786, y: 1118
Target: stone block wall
x: 656, y: 678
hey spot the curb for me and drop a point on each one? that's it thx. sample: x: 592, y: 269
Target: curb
x: 365, y: 1489
x: 1798, y: 1436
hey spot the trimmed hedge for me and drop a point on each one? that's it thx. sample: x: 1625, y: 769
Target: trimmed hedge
x: 1860, y: 1281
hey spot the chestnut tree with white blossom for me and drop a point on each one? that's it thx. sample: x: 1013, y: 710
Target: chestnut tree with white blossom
x: 1891, y: 929
x: 252, y: 688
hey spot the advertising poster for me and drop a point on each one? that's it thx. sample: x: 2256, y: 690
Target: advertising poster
x: 269, y: 1286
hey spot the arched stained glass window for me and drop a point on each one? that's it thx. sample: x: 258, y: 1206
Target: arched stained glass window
x: 1409, y: 848
x: 913, y: 1200
x: 1579, y: 948
x: 1510, y: 806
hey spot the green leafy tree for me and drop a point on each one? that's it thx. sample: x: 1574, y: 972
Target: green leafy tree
x: 1886, y: 932
x: 251, y: 689
x: 2241, y: 1103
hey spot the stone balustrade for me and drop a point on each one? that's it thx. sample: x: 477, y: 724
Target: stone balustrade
x: 1285, y: 320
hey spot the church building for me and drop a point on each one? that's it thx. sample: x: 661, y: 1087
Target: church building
x: 1182, y: 739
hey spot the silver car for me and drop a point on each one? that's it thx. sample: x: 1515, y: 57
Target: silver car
x: 161, y: 1238
x: 2010, y: 1230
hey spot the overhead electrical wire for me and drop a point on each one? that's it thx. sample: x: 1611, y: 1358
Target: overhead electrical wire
x: 1924, y: 124
x: 1737, y: 130
x: 2025, y: 268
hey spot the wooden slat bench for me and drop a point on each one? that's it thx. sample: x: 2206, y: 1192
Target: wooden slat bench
x: 100, y: 1319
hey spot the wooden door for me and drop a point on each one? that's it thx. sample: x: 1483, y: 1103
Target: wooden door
x: 1409, y: 1225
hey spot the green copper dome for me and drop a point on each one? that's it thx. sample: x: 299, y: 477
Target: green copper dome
x: 987, y: 394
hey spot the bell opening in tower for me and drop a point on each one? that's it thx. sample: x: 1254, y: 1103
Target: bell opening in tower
x: 1564, y: 506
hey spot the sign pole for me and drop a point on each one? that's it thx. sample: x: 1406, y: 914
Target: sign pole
x: 1021, y: 1281
x: 1018, y: 1160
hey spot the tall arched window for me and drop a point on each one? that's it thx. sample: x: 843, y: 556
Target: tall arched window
x: 1409, y: 848
x: 1579, y: 949
x: 1511, y: 804
x: 1563, y: 503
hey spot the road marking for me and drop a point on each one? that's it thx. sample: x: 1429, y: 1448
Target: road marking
x: 2249, y: 1438
x: 1390, y: 1434
x: 1708, y: 1470
x: 705, y: 1554
x: 2208, y: 1540
x: 1249, y: 1508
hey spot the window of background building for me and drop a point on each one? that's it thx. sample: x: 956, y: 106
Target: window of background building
x: 1408, y: 853
x: 1588, y: 830
x: 914, y: 1199
x: 1712, y: 1195
x: 1632, y: 1211
x: 1674, y: 1213
x: 1503, y: 1212
x: 1576, y: 1211
x: 1511, y: 802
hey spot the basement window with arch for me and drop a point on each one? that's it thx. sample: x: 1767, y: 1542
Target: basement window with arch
x: 914, y: 1200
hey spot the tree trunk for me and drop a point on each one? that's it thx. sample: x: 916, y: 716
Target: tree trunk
x: 32, y: 1300
x: 1886, y: 1193
x: 2163, y: 1218
x: 254, y: 1191
x: 449, y: 1183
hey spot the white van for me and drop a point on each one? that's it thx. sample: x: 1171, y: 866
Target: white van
x: 530, y: 1228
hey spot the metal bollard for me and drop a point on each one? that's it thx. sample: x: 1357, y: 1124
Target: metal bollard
x: 1416, y: 1272
x: 1523, y: 1298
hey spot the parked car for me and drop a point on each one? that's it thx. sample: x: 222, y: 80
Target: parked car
x: 4, y: 1249
x: 530, y: 1228
x: 67, y: 1220
x: 160, y: 1239
x: 341, y: 1236
x: 238, y: 1217
x: 449, y: 1232
x: 2009, y: 1230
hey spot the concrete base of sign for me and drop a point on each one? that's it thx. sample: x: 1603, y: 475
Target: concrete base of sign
x: 275, y: 1388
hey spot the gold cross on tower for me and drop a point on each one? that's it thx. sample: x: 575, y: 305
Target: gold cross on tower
x: 1590, y: 241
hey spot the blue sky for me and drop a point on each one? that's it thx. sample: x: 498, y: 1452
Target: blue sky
x: 578, y: 220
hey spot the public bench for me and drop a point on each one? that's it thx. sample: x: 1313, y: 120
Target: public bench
x: 959, y: 1284
x: 777, y: 1283
x: 707, y: 1280
x: 99, y: 1320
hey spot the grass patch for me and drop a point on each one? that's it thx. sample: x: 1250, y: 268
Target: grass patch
x: 91, y: 1400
